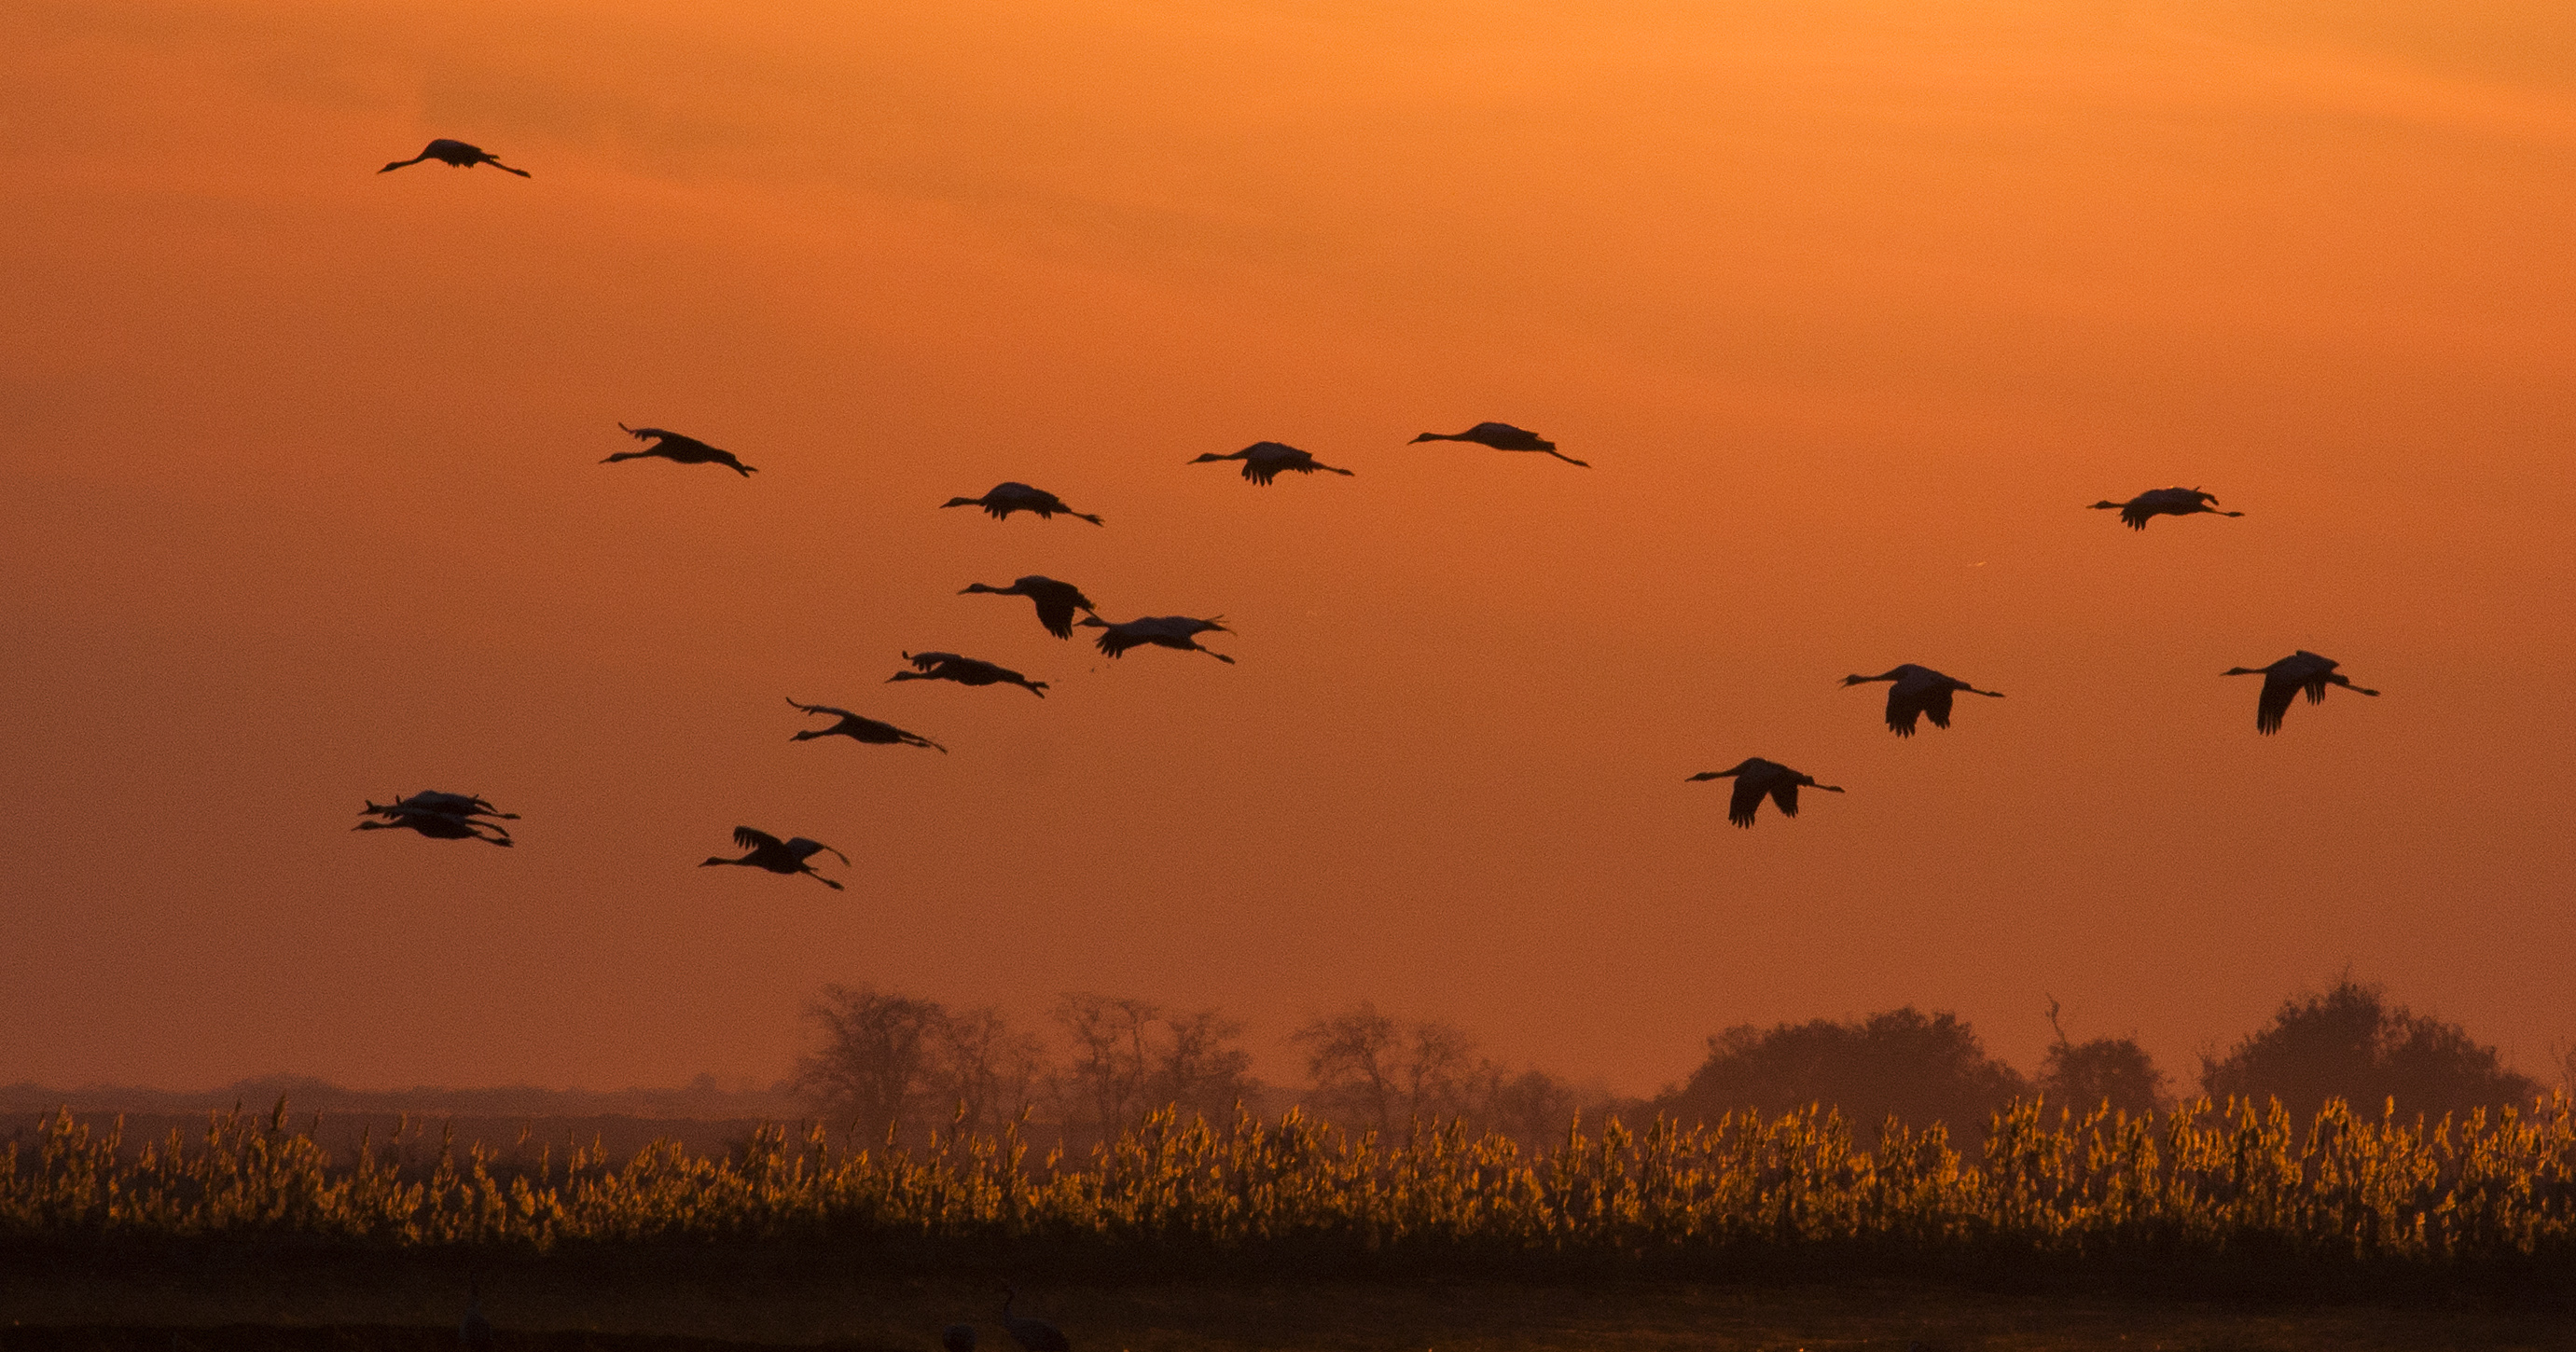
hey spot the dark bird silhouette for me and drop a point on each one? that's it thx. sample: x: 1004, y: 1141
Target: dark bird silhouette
x: 779, y: 856
x: 1504, y: 437
x: 449, y: 804
x: 437, y: 825
x: 1035, y: 1335
x: 1264, y: 461
x: 2300, y: 671
x: 1918, y: 691
x: 673, y: 446
x: 1006, y: 498
x: 859, y: 728
x: 957, y: 1338
x: 2156, y: 502
x: 964, y: 671
x: 1056, y: 601
x: 474, y: 1332
x: 1162, y: 631
x: 457, y: 153
x: 1756, y: 777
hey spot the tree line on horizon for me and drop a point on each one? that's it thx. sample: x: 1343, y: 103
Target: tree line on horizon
x: 902, y: 1067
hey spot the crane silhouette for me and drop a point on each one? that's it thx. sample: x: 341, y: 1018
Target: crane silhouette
x: 2156, y: 502
x: 1162, y: 631
x: 433, y: 824
x: 1056, y: 601
x: 1504, y: 437
x: 456, y: 153
x: 1005, y: 498
x: 1755, y: 777
x: 474, y: 1332
x: 1264, y: 461
x: 1035, y: 1335
x: 1918, y: 691
x: 778, y: 856
x: 964, y: 671
x: 448, y: 804
x: 2285, y: 679
x: 673, y: 446
x: 860, y: 728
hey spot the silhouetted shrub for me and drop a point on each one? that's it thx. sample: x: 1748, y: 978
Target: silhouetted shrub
x: 2106, y: 1070
x: 1922, y: 1068
x: 2351, y: 1044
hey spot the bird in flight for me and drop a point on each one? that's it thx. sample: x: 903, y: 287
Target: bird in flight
x: 2282, y: 680
x: 439, y: 816
x: 1504, y: 437
x: 673, y: 446
x: 1918, y: 691
x: 779, y: 856
x: 1006, y: 498
x: 860, y: 728
x: 457, y: 153
x: 1056, y: 601
x: 2156, y: 502
x: 1162, y: 631
x: 1756, y: 777
x: 964, y: 671
x: 453, y: 804
x: 1264, y: 461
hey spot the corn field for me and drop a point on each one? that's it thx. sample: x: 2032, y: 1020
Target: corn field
x: 2205, y: 1180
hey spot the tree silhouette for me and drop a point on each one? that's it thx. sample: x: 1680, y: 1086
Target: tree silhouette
x: 2351, y: 1043
x: 2083, y: 1076
x: 877, y: 1057
x: 1920, y: 1068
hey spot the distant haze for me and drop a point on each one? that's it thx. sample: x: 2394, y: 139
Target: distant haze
x: 1851, y: 306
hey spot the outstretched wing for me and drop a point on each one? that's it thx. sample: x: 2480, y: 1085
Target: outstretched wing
x: 1903, y: 707
x: 1115, y: 641
x: 1785, y: 793
x: 750, y: 838
x: 1055, y: 611
x: 646, y: 433
x: 823, y: 709
x: 1745, y: 801
x: 931, y: 661
x: 803, y: 848
x: 1936, y: 703
x: 2278, y: 691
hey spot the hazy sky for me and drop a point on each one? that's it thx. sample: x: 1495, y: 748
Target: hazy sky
x: 1852, y: 306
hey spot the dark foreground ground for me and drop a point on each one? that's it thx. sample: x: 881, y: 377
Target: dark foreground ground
x: 240, y: 1303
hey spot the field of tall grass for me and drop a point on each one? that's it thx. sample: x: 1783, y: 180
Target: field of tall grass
x: 2224, y: 1182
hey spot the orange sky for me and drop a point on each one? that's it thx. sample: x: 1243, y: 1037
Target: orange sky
x: 1852, y: 306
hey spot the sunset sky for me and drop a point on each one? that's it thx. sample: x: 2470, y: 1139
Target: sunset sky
x: 1853, y: 305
